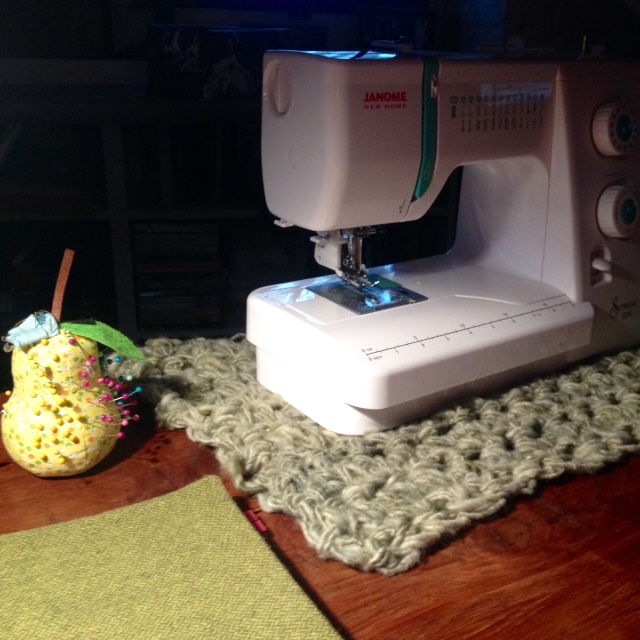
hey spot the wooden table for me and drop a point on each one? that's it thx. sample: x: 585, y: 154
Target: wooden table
x: 563, y: 564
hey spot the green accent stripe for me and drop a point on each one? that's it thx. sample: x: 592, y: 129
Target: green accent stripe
x: 429, y: 129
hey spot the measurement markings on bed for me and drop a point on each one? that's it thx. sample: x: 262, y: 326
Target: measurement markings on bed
x: 469, y: 329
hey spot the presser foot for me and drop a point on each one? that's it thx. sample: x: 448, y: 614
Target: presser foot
x: 367, y: 298
x: 359, y: 281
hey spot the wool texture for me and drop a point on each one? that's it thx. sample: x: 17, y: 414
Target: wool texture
x: 378, y: 502
x: 183, y: 566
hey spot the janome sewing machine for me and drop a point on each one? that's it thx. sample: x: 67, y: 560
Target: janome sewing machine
x: 545, y: 267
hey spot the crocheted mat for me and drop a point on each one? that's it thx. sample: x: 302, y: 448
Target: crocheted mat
x: 187, y: 565
x: 378, y: 502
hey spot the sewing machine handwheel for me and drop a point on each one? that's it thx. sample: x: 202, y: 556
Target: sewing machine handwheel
x: 618, y: 211
x: 614, y: 129
x: 277, y: 87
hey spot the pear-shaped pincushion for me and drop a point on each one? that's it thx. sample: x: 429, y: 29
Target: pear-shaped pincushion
x: 64, y: 415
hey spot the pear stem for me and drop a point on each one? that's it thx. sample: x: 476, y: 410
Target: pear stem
x: 61, y: 284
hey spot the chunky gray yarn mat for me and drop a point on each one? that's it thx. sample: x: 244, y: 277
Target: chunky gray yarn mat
x: 379, y: 502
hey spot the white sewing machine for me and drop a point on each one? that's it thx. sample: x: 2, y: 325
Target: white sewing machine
x: 545, y: 268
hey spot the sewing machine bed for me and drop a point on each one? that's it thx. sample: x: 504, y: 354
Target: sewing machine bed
x: 476, y: 329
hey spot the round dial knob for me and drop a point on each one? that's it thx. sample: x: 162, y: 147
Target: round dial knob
x: 618, y: 211
x: 614, y: 129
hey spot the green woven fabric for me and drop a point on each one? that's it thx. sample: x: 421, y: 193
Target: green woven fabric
x: 185, y: 565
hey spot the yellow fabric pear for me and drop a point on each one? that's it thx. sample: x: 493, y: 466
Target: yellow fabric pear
x: 61, y: 418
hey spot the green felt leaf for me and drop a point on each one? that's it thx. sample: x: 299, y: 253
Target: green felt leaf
x: 106, y: 335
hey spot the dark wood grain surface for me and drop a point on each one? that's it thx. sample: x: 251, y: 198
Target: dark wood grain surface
x: 564, y: 563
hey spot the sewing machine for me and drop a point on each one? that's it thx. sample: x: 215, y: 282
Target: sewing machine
x: 545, y: 267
